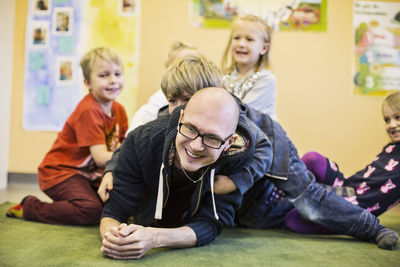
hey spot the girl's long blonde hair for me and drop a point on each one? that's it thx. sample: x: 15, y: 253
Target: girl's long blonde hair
x: 228, y: 62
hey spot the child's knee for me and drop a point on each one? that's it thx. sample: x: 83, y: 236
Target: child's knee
x: 312, y: 158
x: 89, y: 213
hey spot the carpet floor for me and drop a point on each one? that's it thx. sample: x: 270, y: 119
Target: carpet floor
x: 24, y: 243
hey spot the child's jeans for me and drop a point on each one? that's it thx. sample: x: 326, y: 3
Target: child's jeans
x: 324, y: 207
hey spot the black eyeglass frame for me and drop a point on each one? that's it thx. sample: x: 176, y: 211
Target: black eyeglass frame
x: 202, y: 136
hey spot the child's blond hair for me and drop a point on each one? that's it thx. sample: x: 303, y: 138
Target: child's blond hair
x: 393, y: 101
x: 190, y: 74
x: 90, y: 58
x: 265, y: 31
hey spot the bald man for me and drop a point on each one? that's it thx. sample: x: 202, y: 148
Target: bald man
x: 165, y: 177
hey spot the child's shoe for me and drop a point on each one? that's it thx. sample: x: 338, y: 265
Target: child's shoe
x: 17, y: 210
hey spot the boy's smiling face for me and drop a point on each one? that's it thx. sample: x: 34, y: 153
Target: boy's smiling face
x: 106, y: 81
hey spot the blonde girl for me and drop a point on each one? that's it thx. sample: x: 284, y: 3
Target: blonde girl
x: 245, y: 63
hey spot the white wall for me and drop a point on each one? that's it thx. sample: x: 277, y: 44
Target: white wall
x: 7, y: 13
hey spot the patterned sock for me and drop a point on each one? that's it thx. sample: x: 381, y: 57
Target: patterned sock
x: 316, y: 163
x: 386, y: 238
x: 15, y: 212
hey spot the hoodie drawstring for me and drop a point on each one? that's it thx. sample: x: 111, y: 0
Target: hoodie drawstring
x: 212, y: 193
x: 160, y: 195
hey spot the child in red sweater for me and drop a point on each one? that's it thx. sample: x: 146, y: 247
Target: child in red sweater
x: 71, y: 171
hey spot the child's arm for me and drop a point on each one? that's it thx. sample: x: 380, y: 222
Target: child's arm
x: 100, y: 154
x: 106, y: 184
x: 252, y: 172
x: 224, y: 185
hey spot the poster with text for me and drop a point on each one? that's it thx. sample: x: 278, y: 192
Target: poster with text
x: 58, y: 33
x: 376, y: 68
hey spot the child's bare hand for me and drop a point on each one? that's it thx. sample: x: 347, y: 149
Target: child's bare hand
x: 223, y: 185
x: 105, y: 186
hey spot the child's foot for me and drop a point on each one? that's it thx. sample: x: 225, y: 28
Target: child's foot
x: 386, y: 238
x: 17, y: 210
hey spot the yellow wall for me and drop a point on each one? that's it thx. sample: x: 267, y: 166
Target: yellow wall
x: 315, y: 102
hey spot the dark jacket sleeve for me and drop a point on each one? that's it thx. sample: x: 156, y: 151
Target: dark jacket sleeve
x: 205, y: 225
x: 135, y: 175
x: 128, y: 183
x: 112, y: 163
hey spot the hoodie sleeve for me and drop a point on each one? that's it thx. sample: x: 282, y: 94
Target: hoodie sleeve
x: 260, y: 163
x: 205, y: 225
x: 112, y: 163
x: 128, y: 182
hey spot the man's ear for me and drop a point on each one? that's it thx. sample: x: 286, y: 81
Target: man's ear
x: 180, y: 118
x: 231, y: 140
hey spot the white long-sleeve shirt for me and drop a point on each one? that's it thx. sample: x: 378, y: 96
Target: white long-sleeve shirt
x: 148, y: 111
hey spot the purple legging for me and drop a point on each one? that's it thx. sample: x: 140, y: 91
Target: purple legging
x: 317, y: 164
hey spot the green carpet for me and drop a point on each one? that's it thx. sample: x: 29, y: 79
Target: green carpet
x: 24, y: 243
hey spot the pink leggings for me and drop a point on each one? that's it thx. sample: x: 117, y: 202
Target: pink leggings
x: 75, y: 202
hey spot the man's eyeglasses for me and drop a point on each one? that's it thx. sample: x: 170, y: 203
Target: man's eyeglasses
x: 209, y: 140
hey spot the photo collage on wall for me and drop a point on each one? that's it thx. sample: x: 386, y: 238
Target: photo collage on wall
x: 58, y: 33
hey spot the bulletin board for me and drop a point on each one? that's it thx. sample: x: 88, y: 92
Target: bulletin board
x: 58, y: 33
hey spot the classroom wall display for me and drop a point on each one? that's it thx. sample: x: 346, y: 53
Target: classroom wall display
x: 376, y: 62
x: 303, y: 15
x: 306, y: 15
x: 58, y: 33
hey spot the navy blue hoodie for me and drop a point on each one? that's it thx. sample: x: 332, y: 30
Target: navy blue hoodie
x: 138, y: 172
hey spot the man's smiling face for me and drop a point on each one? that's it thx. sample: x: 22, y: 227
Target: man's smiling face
x: 205, y: 118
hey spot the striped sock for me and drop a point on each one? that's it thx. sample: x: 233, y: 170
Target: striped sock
x: 386, y: 238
